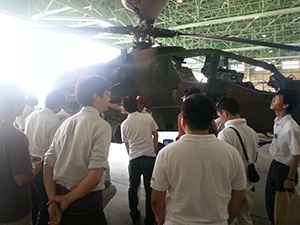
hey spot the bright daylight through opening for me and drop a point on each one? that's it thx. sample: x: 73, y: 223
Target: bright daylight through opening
x: 32, y: 58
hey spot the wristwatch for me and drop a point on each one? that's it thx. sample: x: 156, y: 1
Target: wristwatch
x: 290, y: 179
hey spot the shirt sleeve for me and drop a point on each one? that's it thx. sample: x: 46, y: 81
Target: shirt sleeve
x: 224, y: 137
x: 123, y: 134
x: 50, y: 155
x: 294, y: 141
x: 153, y: 124
x: 159, y: 179
x: 19, y: 155
x: 100, y: 147
x: 240, y: 180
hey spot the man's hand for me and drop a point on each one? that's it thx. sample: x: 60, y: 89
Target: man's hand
x: 63, y: 201
x: 54, y: 213
x: 289, y: 185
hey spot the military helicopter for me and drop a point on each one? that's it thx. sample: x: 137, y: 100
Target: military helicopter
x: 160, y: 74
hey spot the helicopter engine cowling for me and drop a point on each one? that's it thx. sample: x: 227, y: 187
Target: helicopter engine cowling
x: 149, y: 9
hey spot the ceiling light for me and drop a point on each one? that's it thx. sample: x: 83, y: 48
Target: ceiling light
x: 270, y: 51
x: 256, y: 17
x: 264, y: 35
x: 290, y: 64
x: 179, y: 1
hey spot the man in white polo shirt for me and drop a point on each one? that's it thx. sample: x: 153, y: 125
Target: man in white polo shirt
x: 204, y: 177
x: 139, y: 133
x: 40, y: 128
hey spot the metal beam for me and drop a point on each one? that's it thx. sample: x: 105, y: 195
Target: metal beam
x: 51, y: 12
x: 237, y: 18
x: 80, y: 9
x: 252, y: 48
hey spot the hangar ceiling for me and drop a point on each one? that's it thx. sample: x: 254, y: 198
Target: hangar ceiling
x: 276, y: 21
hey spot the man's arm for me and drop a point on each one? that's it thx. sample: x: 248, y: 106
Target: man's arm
x: 127, y: 146
x: 155, y: 139
x: 158, y: 205
x: 238, y: 197
x: 50, y: 186
x: 288, y: 184
x: 85, y: 187
x: 115, y: 106
x: 26, y: 178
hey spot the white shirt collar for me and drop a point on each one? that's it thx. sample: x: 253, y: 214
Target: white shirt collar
x: 235, y: 121
x: 283, y: 120
x: 198, y: 137
x: 133, y: 114
x: 90, y: 109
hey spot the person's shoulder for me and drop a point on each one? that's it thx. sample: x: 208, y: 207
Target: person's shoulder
x: 292, y: 122
x: 223, y: 146
x: 14, y: 133
x: 292, y: 126
x: 33, y: 115
x: 173, y: 146
x: 102, y: 124
x: 250, y: 130
x: 226, y: 132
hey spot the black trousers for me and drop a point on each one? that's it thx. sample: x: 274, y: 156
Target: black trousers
x: 277, y: 174
x: 137, y: 167
x: 39, y: 204
x: 87, y: 210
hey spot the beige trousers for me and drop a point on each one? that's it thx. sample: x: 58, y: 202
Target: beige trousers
x: 107, y: 194
x: 244, y: 217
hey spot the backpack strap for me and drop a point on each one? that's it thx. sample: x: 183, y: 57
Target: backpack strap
x: 243, y: 146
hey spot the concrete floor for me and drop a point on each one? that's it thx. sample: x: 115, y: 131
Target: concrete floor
x: 117, y: 211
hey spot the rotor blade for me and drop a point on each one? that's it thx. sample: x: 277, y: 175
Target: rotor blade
x: 244, y: 41
x: 83, y: 30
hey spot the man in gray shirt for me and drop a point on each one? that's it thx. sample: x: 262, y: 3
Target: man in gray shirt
x: 16, y: 170
x: 77, y: 159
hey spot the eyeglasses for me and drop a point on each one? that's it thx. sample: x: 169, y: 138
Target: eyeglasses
x: 275, y: 98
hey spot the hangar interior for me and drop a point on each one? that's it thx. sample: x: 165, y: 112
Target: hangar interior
x: 276, y: 21
x: 262, y: 20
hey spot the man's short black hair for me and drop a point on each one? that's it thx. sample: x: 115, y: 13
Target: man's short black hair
x: 86, y: 88
x: 129, y: 103
x: 229, y: 104
x: 198, y: 111
x: 290, y: 97
x: 54, y: 99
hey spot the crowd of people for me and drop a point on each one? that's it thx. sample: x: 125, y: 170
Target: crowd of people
x: 55, y: 172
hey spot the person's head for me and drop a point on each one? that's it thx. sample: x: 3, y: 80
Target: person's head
x: 12, y: 101
x: 31, y: 100
x: 198, y: 112
x: 141, y: 102
x: 93, y: 91
x: 285, y: 100
x: 227, y: 109
x: 190, y: 91
x: 129, y: 103
x: 55, y: 100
